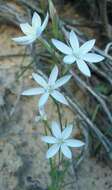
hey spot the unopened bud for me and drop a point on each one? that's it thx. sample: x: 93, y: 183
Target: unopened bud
x: 52, y: 10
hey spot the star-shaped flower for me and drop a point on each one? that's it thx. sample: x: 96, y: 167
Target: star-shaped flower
x: 49, y: 87
x: 61, y: 141
x: 77, y: 54
x: 32, y: 32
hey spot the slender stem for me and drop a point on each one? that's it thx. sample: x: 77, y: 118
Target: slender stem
x: 59, y: 113
x: 46, y: 126
x: 49, y: 48
x: 45, y: 130
x: 59, y: 157
x: 24, y: 70
x: 46, y: 45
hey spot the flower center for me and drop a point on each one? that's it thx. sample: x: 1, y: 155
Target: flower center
x: 60, y: 141
x: 49, y: 89
x: 76, y: 54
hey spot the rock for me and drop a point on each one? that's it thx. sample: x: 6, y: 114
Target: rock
x: 10, y: 163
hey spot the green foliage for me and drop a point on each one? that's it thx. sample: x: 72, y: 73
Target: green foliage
x: 58, y: 175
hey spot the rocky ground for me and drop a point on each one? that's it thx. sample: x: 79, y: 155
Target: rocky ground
x: 22, y: 154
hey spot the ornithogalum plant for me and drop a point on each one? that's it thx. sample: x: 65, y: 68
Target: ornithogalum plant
x: 56, y: 135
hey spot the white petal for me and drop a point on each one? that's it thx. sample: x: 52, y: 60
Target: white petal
x: 52, y: 150
x: 24, y: 40
x: 87, y: 46
x: 69, y: 59
x: 56, y: 129
x: 67, y: 132
x: 42, y: 113
x: 74, y: 41
x: 59, y: 97
x: 43, y: 99
x: 66, y: 151
x: 74, y: 143
x: 53, y: 75
x: 40, y: 80
x: 36, y: 21
x: 83, y: 67
x: 62, y: 47
x: 93, y: 57
x: 38, y: 32
x: 33, y: 91
x: 62, y: 81
x: 49, y: 139
x: 26, y: 28
x: 45, y: 22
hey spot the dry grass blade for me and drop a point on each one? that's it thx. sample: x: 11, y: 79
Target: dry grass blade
x: 17, y: 12
x: 83, y: 85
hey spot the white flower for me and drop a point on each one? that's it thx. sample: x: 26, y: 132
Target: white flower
x: 60, y: 141
x: 49, y: 87
x: 42, y: 115
x: 77, y: 54
x: 32, y: 32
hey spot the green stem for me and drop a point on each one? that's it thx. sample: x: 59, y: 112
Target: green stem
x: 49, y: 48
x: 46, y: 45
x: 59, y: 114
x: 46, y: 126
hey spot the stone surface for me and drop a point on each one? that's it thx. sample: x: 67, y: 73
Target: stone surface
x: 10, y: 163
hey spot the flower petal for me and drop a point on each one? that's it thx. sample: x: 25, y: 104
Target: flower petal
x: 74, y: 41
x: 62, y: 47
x: 62, y: 81
x: 83, y: 67
x: 56, y: 129
x: 93, y: 57
x: 33, y: 91
x: 69, y: 59
x: 67, y: 132
x: 74, y: 143
x: 25, y: 40
x: 52, y: 151
x: 53, y: 75
x: 40, y: 80
x: 49, y: 139
x: 45, y: 22
x: 26, y: 28
x: 43, y: 99
x: 36, y: 20
x: 59, y: 97
x: 87, y: 46
x: 66, y: 151
x: 42, y: 113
